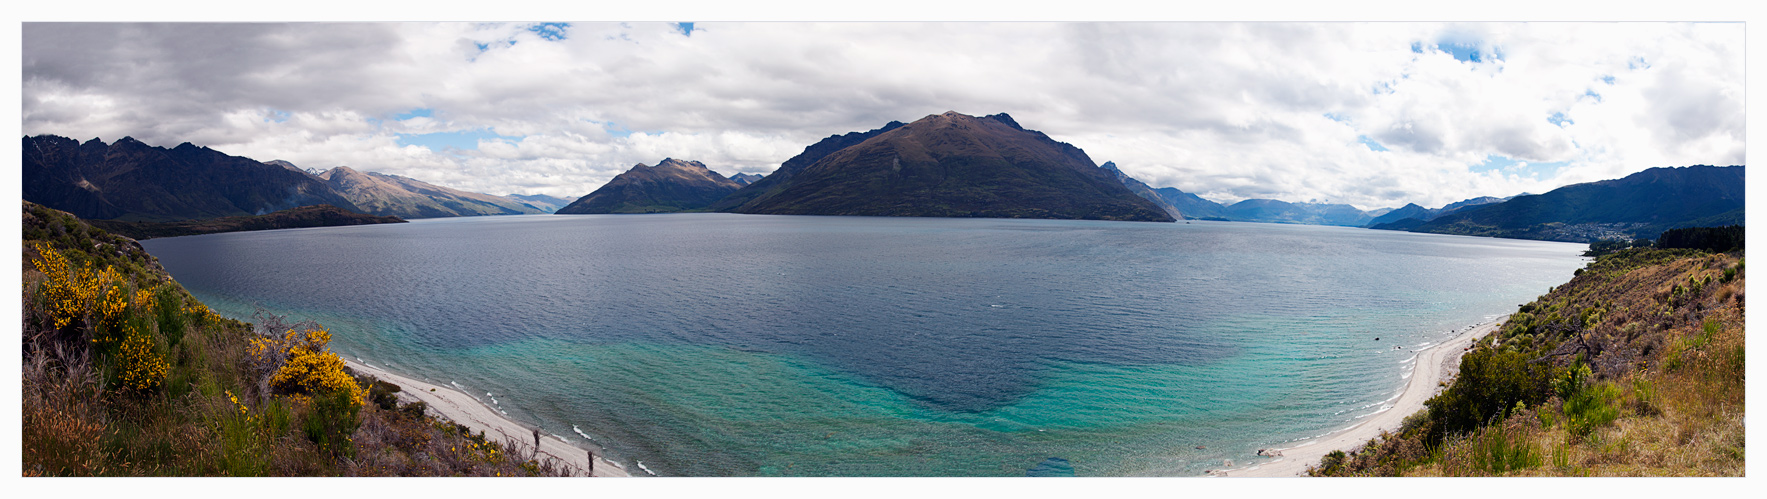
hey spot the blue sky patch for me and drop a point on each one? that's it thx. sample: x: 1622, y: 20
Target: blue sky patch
x: 277, y: 116
x: 1372, y: 145
x: 686, y: 29
x: 1460, y: 52
x: 466, y: 140
x: 1608, y: 79
x: 1336, y: 117
x: 616, y: 129
x: 551, y: 31
x: 1559, y: 119
x: 1508, y: 166
x: 414, y: 113
x: 1468, y: 51
x: 1591, y: 93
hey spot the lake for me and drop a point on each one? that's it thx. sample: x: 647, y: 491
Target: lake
x: 722, y: 344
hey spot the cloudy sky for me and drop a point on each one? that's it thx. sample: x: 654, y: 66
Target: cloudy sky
x: 1370, y: 114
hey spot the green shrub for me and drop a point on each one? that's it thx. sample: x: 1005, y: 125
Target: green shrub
x: 1332, y: 463
x: 1490, y: 383
x: 381, y: 394
x: 333, y: 419
x: 1591, y: 408
x: 168, y: 310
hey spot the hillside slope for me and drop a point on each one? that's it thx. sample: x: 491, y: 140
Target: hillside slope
x: 126, y: 374
x: 1633, y: 368
x: 405, y: 197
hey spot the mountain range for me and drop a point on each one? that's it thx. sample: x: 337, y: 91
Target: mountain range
x: 945, y: 165
x: 1189, y: 206
x: 1422, y: 214
x: 671, y: 186
x: 1640, y: 205
x: 132, y: 181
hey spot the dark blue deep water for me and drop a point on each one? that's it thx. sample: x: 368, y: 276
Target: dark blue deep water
x: 717, y: 344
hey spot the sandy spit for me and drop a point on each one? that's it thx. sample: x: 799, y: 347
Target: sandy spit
x: 461, y: 408
x: 1434, y: 365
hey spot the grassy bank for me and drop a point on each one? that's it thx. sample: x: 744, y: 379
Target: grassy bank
x: 125, y: 374
x: 1633, y: 368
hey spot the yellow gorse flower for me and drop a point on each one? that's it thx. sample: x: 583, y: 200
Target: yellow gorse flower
x: 99, y: 300
x: 309, y: 366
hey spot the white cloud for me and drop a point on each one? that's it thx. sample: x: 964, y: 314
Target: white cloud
x: 1229, y: 111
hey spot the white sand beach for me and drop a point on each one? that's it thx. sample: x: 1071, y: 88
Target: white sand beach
x: 462, y: 408
x: 1434, y: 365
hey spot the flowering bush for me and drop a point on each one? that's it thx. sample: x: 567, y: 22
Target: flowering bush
x: 81, y: 296
x: 307, y: 366
x: 138, y: 366
x: 98, y: 304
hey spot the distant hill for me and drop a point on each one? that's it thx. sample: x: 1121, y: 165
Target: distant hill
x: 1410, y: 210
x: 306, y: 216
x: 132, y: 181
x: 542, y: 202
x: 670, y: 186
x: 1478, y: 201
x: 1141, y: 189
x: 745, y: 178
x: 1193, y: 207
x: 405, y: 197
x: 1643, y: 204
x: 945, y: 165
x: 1421, y: 214
x: 1273, y: 211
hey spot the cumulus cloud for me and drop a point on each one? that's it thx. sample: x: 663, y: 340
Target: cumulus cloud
x: 1374, y: 114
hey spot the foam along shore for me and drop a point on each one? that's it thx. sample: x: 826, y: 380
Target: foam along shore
x: 1434, y: 365
x: 461, y: 408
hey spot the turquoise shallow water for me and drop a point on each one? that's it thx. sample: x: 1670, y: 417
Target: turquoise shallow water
x: 712, y: 344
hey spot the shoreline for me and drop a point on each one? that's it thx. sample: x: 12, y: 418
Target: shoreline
x: 1434, y: 365
x: 454, y: 405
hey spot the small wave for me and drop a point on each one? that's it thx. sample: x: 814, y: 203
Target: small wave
x: 580, y: 432
x: 560, y: 437
x: 647, y: 470
x: 457, y: 385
